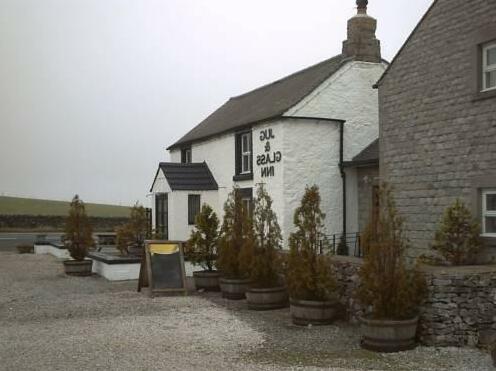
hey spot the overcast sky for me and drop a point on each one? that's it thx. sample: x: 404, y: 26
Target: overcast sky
x: 93, y: 91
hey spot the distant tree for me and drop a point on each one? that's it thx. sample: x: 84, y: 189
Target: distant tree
x: 201, y: 248
x: 457, y: 238
x: 309, y: 273
x: 78, y: 231
x: 260, y: 254
x: 133, y: 233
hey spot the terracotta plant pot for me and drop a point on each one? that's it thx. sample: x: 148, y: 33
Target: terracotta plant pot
x: 234, y: 289
x: 78, y: 267
x: 207, y: 280
x: 388, y: 336
x: 266, y: 299
x: 306, y: 312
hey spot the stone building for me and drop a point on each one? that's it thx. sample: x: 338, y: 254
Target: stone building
x: 294, y: 132
x: 437, y: 113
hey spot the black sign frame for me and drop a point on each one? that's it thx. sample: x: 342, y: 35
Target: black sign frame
x: 148, y: 257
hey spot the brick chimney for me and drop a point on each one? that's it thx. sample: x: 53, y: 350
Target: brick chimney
x: 362, y: 44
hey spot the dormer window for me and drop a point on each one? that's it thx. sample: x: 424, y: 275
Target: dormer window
x: 489, y: 67
x: 186, y: 155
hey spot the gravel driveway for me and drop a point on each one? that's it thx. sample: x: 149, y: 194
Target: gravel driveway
x: 49, y: 321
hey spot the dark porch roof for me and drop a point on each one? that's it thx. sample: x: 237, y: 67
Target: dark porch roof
x: 187, y: 177
x: 369, y: 156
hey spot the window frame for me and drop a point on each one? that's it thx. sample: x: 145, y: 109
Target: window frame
x: 245, y: 152
x: 487, y: 68
x: 192, y: 218
x: 186, y: 155
x: 487, y: 213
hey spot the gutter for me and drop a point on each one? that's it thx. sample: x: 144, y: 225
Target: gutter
x: 343, y: 173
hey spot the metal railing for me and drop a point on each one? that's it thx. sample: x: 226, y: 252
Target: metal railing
x: 344, y: 245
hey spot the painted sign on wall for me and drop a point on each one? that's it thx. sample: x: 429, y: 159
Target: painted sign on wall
x: 270, y: 157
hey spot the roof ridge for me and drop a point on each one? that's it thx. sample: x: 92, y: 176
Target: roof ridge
x: 286, y: 77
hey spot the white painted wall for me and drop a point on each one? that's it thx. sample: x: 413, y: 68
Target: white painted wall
x: 310, y: 152
x: 348, y: 95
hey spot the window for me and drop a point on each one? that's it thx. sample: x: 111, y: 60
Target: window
x: 186, y: 155
x: 162, y: 216
x: 193, y: 208
x: 247, y: 199
x: 489, y: 213
x: 489, y: 67
x: 246, y: 153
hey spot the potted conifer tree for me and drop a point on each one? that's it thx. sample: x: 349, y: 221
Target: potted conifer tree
x: 262, y: 258
x: 131, y: 236
x: 310, y: 278
x: 388, y: 287
x: 458, y: 239
x: 234, y: 281
x: 201, y: 249
x: 78, y: 239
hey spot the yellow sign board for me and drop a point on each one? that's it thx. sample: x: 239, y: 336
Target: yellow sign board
x: 163, y: 248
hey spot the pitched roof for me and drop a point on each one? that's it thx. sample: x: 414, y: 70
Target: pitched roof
x: 369, y: 156
x: 267, y: 102
x: 188, y: 177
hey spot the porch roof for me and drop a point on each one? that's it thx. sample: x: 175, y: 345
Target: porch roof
x: 188, y: 177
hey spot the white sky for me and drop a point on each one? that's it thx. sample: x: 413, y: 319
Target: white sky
x: 93, y: 91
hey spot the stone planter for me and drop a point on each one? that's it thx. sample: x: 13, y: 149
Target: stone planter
x: 207, y: 280
x: 306, y: 312
x: 234, y: 289
x: 388, y: 336
x: 78, y: 267
x: 267, y: 299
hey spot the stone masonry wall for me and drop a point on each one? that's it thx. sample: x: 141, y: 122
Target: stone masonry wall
x: 437, y: 132
x: 460, y: 305
x: 347, y: 280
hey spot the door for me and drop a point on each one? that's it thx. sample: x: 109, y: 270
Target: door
x: 162, y: 216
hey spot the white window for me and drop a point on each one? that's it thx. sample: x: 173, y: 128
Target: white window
x: 246, y: 153
x: 489, y: 67
x: 489, y: 213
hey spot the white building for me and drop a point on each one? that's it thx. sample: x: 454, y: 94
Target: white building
x: 294, y: 132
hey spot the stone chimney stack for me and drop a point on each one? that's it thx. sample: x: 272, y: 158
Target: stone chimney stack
x: 362, y: 44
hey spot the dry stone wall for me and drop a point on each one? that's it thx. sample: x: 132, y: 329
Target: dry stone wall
x: 459, y: 309
x: 460, y: 305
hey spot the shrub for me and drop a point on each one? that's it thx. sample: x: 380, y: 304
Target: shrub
x: 457, y: 238
x: 235, y: 230
x: 78, y: 231
x: 259, y: 255
x: 388, y: 287
x: 309, y: 274
x: 25, y: 249
x: 201, y: 248
x: 133, y: 233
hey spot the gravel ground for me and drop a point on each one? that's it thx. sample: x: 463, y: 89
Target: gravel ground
x: 49, y: 321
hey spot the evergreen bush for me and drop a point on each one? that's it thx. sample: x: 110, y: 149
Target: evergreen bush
x: 260, y: 255
x: 309, y: 274
x: 201, y: 248
x: 236, y: 231
x: 78, y: 231
x: 387, y: 286
x: 457, y: 239
x: 133, y: 233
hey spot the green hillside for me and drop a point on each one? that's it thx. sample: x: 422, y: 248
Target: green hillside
x: 30, y: 206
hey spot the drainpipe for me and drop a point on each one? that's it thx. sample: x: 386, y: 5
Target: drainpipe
x: 343, y: 174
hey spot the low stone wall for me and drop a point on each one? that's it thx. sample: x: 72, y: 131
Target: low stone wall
x: 460, y: 305
x: 346, y: 270
x: 54, y: 223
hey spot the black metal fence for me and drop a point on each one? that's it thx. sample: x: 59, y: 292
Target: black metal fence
x: 348, y: 244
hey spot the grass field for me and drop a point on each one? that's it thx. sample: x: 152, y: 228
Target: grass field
x: 30, y: 206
